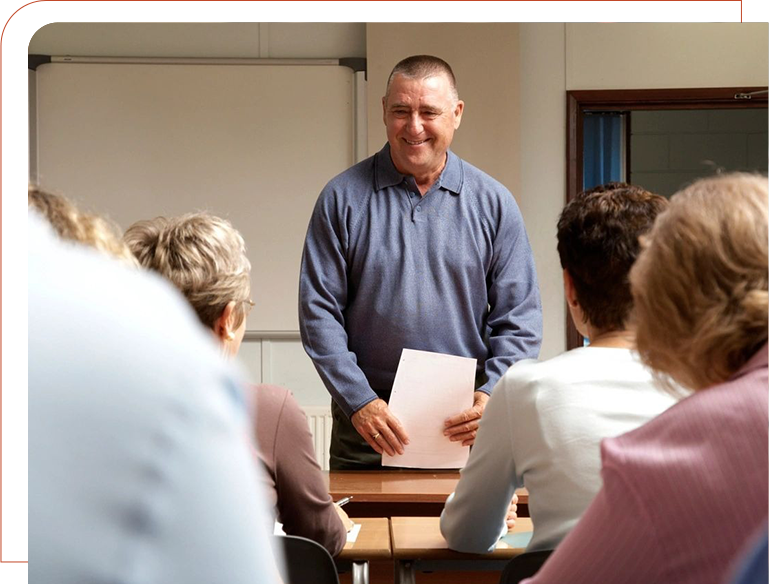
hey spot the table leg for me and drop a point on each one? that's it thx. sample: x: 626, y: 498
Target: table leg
x: 405, y: 573
x: 360, y: 572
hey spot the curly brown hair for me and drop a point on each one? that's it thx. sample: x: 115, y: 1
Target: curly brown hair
x: 598, y: 235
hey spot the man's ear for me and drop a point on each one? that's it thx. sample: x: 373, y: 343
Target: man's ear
x: 458, y: 110
x: 568, y: 289
x: 223, y: 326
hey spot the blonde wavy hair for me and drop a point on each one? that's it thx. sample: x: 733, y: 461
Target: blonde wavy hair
x: 700, y: 284
x: 202, y: 255
x: 71, y: 224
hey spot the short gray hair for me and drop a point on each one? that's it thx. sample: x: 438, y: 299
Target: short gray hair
x: 202, y: 255
x: 421, y: 67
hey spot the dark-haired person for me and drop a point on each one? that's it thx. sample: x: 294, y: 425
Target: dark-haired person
x: 544, y: 423
x: 683, y: 494
x: 413, y: 248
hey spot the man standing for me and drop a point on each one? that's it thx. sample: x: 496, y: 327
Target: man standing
x: 413, y: 248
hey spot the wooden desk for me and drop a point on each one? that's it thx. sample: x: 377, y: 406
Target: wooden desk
x: 417, y: 544
x: 372, y: 543
x: 389, y: 493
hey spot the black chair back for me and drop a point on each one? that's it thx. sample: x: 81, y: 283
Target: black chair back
x: 306, y: 561
x: 523, y: 566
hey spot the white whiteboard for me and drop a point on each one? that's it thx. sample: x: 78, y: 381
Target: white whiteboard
x: 252, y: 143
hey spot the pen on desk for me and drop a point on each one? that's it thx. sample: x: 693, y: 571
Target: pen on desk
x: 343, y: 502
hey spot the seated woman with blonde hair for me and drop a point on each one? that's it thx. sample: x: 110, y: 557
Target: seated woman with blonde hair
x: 204, y: 257
x: 685, y: 492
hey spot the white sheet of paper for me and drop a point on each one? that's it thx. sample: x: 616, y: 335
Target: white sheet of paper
x: 352, y: 535
x: 428, y: 388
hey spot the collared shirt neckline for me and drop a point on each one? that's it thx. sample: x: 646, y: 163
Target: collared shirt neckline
x: 386, y: 175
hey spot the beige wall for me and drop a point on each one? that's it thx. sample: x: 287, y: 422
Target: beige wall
x: 652, y: 56
x: 543, y: 166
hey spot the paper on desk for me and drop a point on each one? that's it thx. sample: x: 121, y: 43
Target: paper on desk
x: 428, y: 388
x: 352, y: 535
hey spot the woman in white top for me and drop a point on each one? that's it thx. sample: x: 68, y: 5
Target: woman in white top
x: 544, y: 423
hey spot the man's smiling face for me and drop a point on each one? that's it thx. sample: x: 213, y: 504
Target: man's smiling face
x: 421, y: 116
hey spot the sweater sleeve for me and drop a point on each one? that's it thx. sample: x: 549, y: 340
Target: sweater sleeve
x: 304, y: 505
x: 614, y: 541
x: 515, y: 308
x: 323, y: 296
x: 475, y: 514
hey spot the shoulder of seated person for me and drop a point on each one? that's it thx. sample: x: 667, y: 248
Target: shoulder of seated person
x: 271, y: 397
x: 521, y: 373
x: 529, y: 369
x: 267, y: 389
x: 528, y: 372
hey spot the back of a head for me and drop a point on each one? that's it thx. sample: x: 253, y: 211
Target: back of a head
x: 700, y: 285
x: 421, y: 67
x: 598, y: 242
x: 71, y: 224
x: 202, y: 255
x: 57, y: 210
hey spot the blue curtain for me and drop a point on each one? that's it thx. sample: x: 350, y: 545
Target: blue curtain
x: 602, y: 133
x: 602, y: 151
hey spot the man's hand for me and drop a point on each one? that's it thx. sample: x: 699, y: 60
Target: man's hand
x: 383, y: 432
x: 464, y: 426
x: 512, y: 512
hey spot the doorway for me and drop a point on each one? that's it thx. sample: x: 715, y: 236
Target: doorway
x: 661, y: 139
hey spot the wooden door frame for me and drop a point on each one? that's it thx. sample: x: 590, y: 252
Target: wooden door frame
x: 580, y: 101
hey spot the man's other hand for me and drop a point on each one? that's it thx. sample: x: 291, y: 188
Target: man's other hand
x: 380, y: 428
x: 464, y: 426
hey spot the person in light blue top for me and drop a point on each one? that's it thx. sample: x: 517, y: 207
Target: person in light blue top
x: 139, y: 462
x: 413, y: 248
